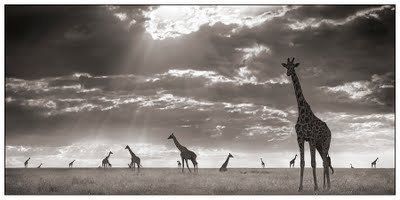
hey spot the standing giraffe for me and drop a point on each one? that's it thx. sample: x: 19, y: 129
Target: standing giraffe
x: 309, y: 128
x: 373, y: 164
x: 105, y: 163
x: 71, y: 164
x: 179, y: 164
x: 291, y: 163
x: 351, y: 166
x: 262, y: 163
x: 223, y: 167
x: 186, y: 154
x: 26, y: 162
x: 39, y: 165
x: 134, y: 159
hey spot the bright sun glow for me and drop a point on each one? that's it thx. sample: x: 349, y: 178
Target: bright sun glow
x: 173, y: 21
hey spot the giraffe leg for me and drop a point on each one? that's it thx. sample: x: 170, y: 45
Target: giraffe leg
x: 301, y: 147
x: 183, y: 164
x: 187, y: 165
x: 313, y: 164
x: 138, y: 166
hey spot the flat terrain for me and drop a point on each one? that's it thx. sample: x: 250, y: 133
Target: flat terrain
x: 115, y: 181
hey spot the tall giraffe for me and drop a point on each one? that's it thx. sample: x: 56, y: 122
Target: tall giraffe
x: 179, y: 164
x: 71, y: 164
x: 26, y: 162
x: 105, y: 162
x: 262, y: 163
x: 40, y: 165
x: 351, y: 166
x: 309, y: 128
x: 223, y: 167
x: 186, y: 154
x: 291, y: 163
x: 373, y: 164
x: 134, y: 159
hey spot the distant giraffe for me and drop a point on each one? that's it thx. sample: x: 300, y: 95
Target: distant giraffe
x: 105, y: 162
x: 186, y: 154
x: 262, y: 163
x: 71, y: 164
x: 27, y: 162
x: 223, y: 167
x: 291, y: 163
x: 179, y: 164
x: 309, y: 128
x: 39, y: 165
x: 373, y: 164
x: 351, y: 166
x: 134, y: 158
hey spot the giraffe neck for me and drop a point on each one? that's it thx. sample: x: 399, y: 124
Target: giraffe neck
x: 301, y: 101
x: 109, y: 154
x: 130, y: 151
x: 226, y: 161
x: 177, y: 144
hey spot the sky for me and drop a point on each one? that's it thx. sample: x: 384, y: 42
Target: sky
x: 84, y: 80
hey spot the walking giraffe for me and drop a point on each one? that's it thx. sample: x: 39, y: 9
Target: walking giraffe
x: 373, y: 164
x: 262, y: 163
x: 186, y: 154
x: 309, y: 128
x: 105, y: 162
x: 223, y: 167
x: 71, y: 164
x: 134, y: 159
x: 291, y: 163
x: 27, y: 162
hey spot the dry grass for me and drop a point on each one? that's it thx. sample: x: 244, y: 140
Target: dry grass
x: 207, y: 181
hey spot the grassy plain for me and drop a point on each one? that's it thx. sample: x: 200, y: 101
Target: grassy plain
x: 168, y: 181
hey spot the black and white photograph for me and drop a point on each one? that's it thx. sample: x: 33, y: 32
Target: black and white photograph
x: 199, y: 99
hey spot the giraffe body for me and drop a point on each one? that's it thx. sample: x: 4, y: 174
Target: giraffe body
x: 71, y: 164
x: 223, y: 167
x: 186, y: 154
x: 105, y: 162
x: 373, y: 164
x: 309, y: 128
x: 134, y: 159
x: 292, y: 162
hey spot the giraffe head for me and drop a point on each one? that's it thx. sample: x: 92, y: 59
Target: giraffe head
x: 230, y: 155
x: 290, y: 65
x: 127, y: 147
x: 110, y: 153
x: 171, y: 136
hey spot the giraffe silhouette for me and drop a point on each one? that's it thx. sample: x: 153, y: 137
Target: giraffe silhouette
x: 179, y: 164
x: 71, y: 164
x: 373, y: 164
x: 105, y: 162
x: 40, y: 165
x: 223, y: 167
x: 186, y: 154
x: 291, y: 163
x: 134, y: 159
x: 309, y: 128
x: 351, y: 166
x: 27, y: 162
x: 262, y: 163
